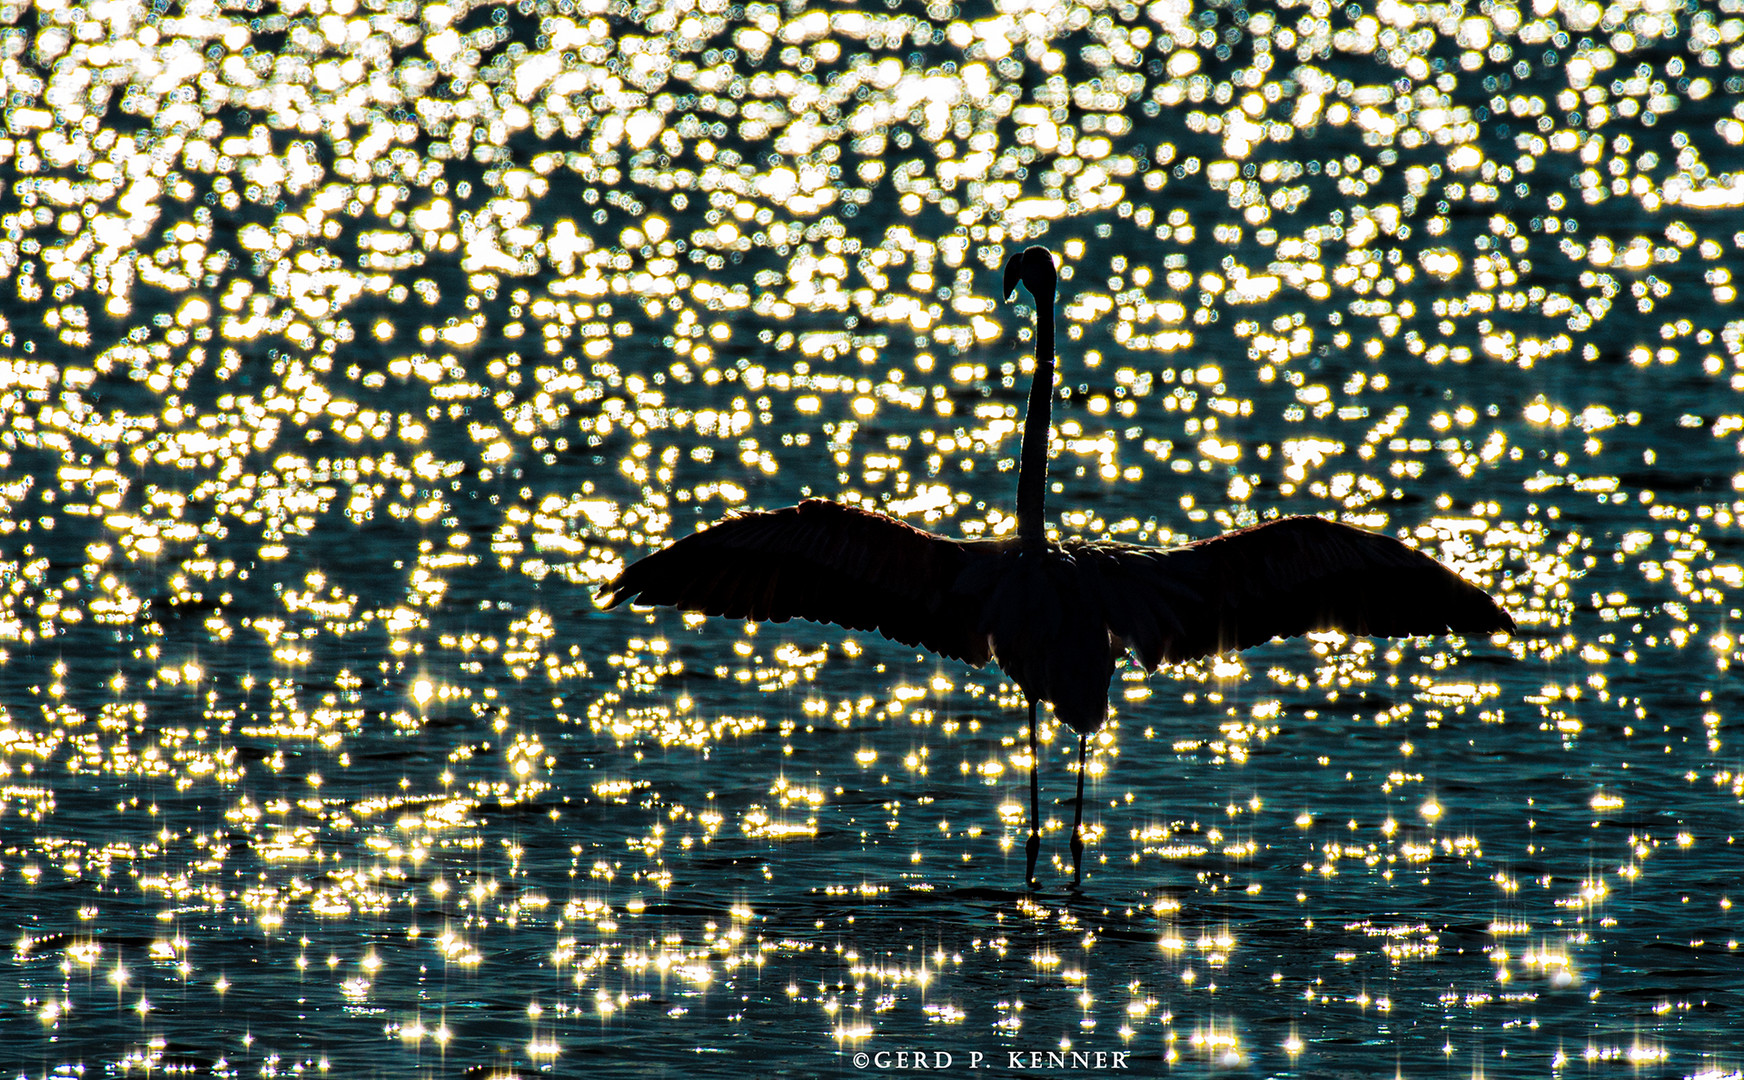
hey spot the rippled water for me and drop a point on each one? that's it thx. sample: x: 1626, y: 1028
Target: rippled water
x: 348, y: 345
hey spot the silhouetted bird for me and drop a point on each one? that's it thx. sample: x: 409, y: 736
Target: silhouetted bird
x: 1056, y: 616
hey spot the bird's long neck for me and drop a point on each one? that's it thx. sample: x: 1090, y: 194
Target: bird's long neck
x: 1032, y: 473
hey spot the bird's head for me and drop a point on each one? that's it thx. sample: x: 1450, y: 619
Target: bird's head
x: 1034, y: 267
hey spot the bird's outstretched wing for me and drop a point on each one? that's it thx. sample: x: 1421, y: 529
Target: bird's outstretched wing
x: 821, y: 561
x: 1279, y: 579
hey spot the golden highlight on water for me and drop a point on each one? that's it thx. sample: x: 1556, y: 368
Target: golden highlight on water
x: 348, y: 347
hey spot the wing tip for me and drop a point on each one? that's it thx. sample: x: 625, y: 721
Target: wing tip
x: 1484, y: 614
x: 1505, y: 623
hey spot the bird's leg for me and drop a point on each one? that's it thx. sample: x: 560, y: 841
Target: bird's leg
x: 1034, y: 846
x: 1078, y: 816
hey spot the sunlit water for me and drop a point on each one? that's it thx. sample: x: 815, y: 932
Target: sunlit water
x: 348, y: 346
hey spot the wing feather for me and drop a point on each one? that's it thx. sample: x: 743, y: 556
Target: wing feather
x: 1280, y: 579
x: 824, y: 562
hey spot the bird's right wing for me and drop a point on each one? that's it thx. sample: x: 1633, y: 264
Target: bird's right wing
x: 820, y: 561
x: 1282, y: 578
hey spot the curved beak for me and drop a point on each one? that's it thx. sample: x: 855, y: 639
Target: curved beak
x: 1013, y: 272
x: 1034, y: 268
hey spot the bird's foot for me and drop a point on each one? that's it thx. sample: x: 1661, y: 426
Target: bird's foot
x: 1077, y: 857
x: 1034, y: 848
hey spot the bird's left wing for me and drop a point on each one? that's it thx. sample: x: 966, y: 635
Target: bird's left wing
x: 1279, y: 579
x: 820, y: 561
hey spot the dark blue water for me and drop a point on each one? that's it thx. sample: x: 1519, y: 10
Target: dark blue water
x: 348, y: 347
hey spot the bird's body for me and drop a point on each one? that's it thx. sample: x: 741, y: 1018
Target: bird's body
x: 1056, y: 616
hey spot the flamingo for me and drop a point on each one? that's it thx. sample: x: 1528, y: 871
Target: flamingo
x: 1055, y: 616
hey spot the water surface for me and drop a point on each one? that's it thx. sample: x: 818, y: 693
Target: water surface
x: 348, y: 346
